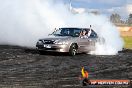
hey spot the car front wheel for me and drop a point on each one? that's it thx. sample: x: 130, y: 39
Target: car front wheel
x: 41, y: 52
x: 73, y: 50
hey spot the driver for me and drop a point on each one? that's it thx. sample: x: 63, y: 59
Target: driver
x: 83, y: 34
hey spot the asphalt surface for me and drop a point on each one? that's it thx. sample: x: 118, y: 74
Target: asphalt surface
x: 26, y: 68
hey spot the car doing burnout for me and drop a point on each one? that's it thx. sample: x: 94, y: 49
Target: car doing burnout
x: 68, y: 40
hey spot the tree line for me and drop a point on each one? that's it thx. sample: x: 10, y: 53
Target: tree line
x: 116, y: 19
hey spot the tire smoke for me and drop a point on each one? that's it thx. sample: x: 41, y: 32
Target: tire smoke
x: 23, y: 22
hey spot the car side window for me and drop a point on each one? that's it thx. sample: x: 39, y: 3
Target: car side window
x: 93, y: 35
x: 77, y: 31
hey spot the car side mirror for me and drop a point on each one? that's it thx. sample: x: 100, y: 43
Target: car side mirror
x: 81, y: 37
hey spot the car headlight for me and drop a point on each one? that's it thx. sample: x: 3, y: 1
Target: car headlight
x: 39, y: 42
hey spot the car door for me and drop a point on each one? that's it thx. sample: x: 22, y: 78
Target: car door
x: 92, y: 41
x: 83, y: 44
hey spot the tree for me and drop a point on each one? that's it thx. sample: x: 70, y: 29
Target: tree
x: 95, y: 12
x: 115, y: 18
x: 130, y: 19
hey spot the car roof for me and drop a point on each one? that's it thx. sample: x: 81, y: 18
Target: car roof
x: 70, y: 28
x: 74, y: 28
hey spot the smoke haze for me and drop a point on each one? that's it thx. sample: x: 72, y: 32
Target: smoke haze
x: 23, y: 22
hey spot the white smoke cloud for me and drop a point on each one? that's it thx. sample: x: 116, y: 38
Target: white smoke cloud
x: 129, y: 8
x: 23, y: 22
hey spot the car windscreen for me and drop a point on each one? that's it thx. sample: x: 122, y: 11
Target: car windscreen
x: 74, y: 32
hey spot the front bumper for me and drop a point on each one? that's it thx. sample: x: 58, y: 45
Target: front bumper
x: 53, y: 47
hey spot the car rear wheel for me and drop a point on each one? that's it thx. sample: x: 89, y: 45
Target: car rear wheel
x: 73, y: 50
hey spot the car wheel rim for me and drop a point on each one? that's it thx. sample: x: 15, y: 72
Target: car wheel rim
x: 74, y: 52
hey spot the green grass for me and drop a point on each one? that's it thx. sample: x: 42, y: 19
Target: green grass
x: 128, y: 42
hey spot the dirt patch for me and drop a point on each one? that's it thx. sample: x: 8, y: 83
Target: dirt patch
x: 126, y: 33
x: 26, y: 68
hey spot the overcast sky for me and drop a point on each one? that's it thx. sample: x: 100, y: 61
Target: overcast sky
x: 123, y: 7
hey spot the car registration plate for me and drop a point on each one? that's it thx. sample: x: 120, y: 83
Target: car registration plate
x: 47, y: 46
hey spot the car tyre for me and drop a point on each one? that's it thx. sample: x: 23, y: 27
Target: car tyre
x: 41, y: 52
x: 73, y: 50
